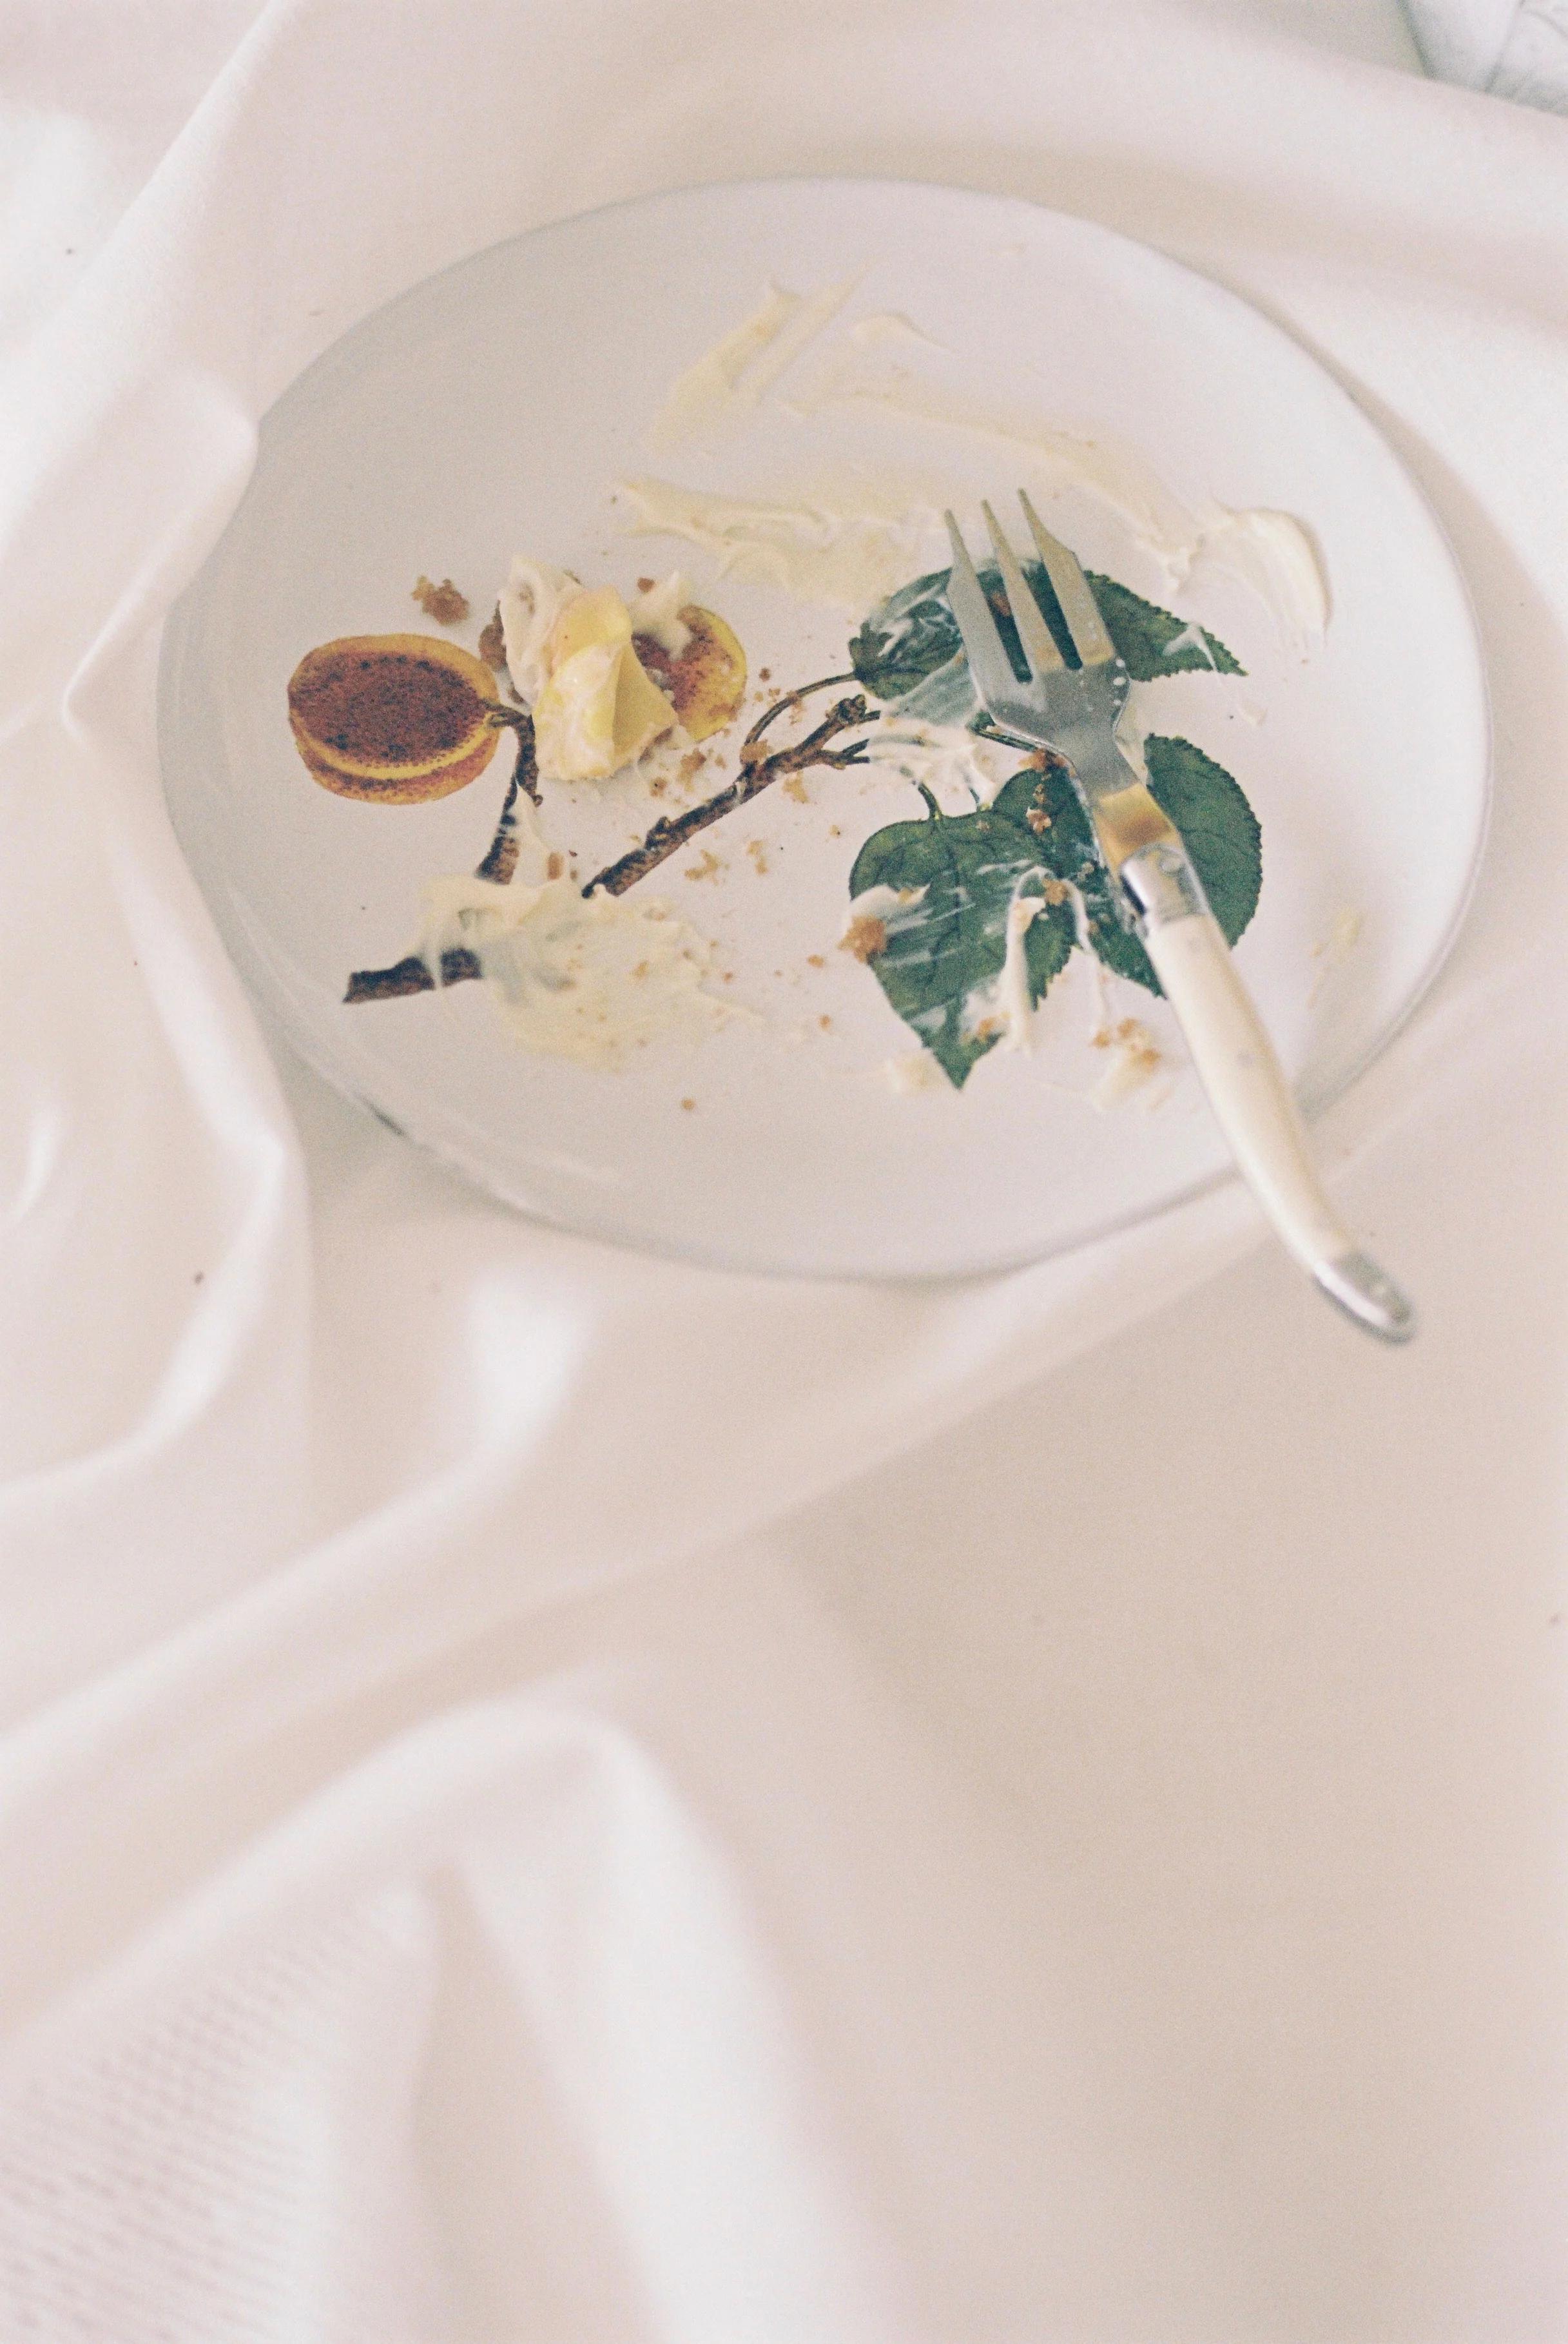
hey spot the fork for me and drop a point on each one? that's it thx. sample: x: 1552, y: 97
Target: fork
x: 1159, y: 897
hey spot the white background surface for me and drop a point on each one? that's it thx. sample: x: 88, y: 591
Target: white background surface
x: 522, y: 1827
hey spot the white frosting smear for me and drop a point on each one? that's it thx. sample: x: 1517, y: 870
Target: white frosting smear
x: 531, y: 602
x: 882, y: 904
x: 589, y: 978
x: 824, y: 544
x: 656, y: 612
x: 889, y: 326
x: 1013, y: 1004
x: 945, y: 757
x: 1117, y: 474
x: 1332, y: 951
x: 1134, y: 1058
x: 1271, y: 552
x: 913, y: 1072
x: 732, y: 379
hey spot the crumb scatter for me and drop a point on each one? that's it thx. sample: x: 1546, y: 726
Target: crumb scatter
x: 865, y: 938
x: 492, y: 642
x: 446, y: 603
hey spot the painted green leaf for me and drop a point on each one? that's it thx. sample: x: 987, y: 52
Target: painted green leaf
x: 946, y: 946
x: 1207, y: 804
x: 910, y: 655
x: 908, y: 638
x: 1152, y: 641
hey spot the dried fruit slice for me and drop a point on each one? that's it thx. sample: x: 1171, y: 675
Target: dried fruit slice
x: 395, y: 718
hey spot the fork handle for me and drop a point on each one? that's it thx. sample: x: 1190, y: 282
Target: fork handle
x: 1252, y: 1101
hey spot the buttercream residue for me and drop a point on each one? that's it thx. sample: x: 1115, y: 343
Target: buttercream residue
x: 1013, y: 1004
x: 944, y: 758
x: 912, y: 1072
x: 730, y: 380
x: 589, y: 978
x: 1270, y: 551
x: 823, y: 543
x: 1331, y: 952
x: 1134, y: 1059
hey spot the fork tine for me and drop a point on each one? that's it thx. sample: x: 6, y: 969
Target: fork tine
x: 1037, y: 638
x: 983, y: 645
x: 1079, y: 609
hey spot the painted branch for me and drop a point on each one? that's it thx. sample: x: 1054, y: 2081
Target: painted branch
x: 411, y: 976
x: 501, y: 856
x: 669, y: 834
x: 758, y: 769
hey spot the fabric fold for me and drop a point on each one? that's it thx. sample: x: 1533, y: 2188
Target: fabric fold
x: 322, y: 1473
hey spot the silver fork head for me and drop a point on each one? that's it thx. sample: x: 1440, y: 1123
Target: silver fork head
x: 1079, y: 609
x: 1039, y: 643
x: 1053, y: 696
x: 1011, y: 702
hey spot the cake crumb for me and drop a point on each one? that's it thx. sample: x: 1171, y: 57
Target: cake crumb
x: 707, y: 865
x: 1135, y: 1055
x: 834, y: 831
x: 764, y: 675
x: 445, y: 604
x: 865, y: 938
x: 825, y: 1023
x: 759, y: 855
x: 794, y: 787
x: 691, y: 762
x: 645, y: 586
x: 814, y: 960
x: 687, y: 1104
x: 492, y: 642
x: 555, y: 866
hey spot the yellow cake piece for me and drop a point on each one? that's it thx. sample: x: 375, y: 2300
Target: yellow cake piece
x: 600, y: 708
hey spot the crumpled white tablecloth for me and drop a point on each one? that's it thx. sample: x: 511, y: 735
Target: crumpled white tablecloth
x: 460, y: 1884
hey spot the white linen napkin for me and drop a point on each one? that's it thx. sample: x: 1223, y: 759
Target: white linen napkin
x: 315, y: 1460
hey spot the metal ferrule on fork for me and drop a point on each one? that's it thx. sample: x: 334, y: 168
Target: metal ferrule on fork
x: 1162, y: 886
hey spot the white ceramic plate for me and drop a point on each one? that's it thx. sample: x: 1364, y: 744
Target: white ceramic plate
x: 492, y: 409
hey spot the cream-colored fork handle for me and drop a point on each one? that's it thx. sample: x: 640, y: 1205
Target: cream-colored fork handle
x: 1248, y: 1091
